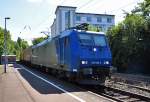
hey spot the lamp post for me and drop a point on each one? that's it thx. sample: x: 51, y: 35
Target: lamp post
x: 5, y: 45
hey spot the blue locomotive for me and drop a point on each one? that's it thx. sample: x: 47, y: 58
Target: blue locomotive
x: 79, y: 55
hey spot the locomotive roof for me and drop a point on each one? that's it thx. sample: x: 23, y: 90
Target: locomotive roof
x: 41, y: 43
x: 66, y: 33
x: 92, y: 32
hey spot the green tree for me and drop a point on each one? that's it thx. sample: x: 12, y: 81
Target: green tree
x: 20, y: 45
x: 89, y: 27
x: 128, y: 41
x: 38, y: 40
x: 8, y: 40
x: 93, y: 28
x: 1, y: 40
x: 143, y: 8
x: 12, y: 46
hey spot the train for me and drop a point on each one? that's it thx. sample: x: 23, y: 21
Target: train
x: 77, y: 55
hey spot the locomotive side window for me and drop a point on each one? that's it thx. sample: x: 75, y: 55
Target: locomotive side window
x: 85, y: 39
x: 99, y: 40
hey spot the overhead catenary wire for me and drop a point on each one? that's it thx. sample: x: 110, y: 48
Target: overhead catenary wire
x: 84, y: 4
x: 94, y: 2
x: 80, y: 7
x: 62, y: 2
x: 33, y: 28
x: 124, y: 6
x: 46, y: 18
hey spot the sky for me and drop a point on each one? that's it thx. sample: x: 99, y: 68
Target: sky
x: 30, y: 17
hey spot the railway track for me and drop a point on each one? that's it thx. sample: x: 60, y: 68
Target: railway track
x: 124, y: 96
x: 131, y: 79
x: 131, y: 87
x: 119, y: 95
x: 134, y: 86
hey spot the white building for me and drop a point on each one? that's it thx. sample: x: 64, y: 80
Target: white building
x: 67, y: 17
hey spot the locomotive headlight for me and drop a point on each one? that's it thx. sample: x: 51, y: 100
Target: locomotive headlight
x: 84, y: 62
x: 94, y: 49
x: 106, y: 62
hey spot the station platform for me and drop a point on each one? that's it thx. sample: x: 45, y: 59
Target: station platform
x: 11, y: 88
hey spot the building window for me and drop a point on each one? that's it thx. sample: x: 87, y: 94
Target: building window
x: 99, y: 19
x: 109, y: 20
x: 100, y: 28
x: 88, y: 19
x: 78, y: 18
x: 67, y: 20
x: 109, y: 28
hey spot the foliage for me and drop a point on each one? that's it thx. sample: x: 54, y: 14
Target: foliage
x: 130, y: 39
x: 89, y: 27
x: 38, y: 40
x: 143, y: 8
x: 12, y: 46
x: 8, y: 40
x: 1, y: 40
x: 93, y: 28
x: 22, y: 43
x: 19, y: 46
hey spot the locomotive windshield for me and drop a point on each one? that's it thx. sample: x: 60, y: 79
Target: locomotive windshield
x: 92, y: 39
x: 85, y: 39
x: 99, y: 40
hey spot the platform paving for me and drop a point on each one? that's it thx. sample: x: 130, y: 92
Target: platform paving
x: 11, y: 89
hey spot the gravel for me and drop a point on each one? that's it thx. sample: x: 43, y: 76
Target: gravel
x: 128, y: 80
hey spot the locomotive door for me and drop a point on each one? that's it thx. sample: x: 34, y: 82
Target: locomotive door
x: 63, y: 50
x: 61, y: 43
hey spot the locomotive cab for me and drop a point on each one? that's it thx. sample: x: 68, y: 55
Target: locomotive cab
x: 94, y: 50
x: 84, y: 55
x: 94, y: 57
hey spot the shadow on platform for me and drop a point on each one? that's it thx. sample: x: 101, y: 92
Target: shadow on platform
x: 41, y: 86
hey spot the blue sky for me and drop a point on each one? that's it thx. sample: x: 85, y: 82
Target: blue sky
x: 39, y: 14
